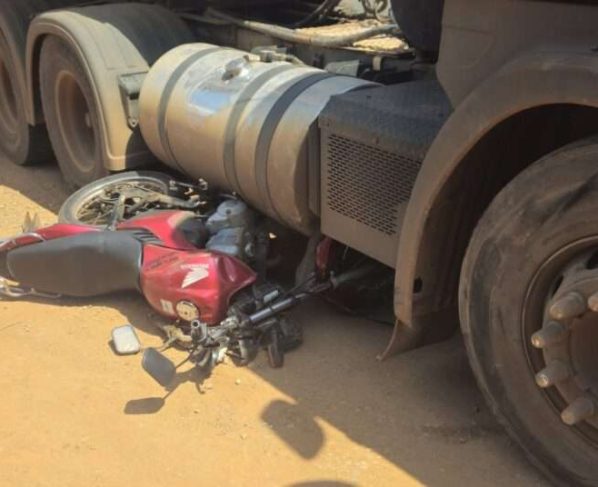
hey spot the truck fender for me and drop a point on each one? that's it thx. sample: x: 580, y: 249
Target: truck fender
x: 114, y: 42
x: 535, y: 79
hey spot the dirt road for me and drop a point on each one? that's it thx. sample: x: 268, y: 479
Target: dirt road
x: 73, y: 414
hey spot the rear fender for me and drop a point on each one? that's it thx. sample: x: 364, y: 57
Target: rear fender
x: 165, y: 225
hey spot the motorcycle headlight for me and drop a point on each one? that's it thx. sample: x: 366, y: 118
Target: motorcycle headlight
x: 187, y: 311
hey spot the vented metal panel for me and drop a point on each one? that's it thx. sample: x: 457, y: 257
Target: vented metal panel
x: 367, y: 183
x: 373, y: 142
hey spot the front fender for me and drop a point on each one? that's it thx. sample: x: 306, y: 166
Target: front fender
x: 532, y: 80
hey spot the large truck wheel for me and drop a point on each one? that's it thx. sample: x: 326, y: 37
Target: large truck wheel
x: 529, y: 311
x: 19, y: 142
x: 71, y: 113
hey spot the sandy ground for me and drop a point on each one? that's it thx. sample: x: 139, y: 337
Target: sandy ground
x: 74, y: 414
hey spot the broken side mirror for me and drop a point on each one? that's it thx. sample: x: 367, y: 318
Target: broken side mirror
x: 161, y: 369
x: 125, y: 340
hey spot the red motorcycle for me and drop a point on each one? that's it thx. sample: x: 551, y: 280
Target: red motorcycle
x: 202, y: 265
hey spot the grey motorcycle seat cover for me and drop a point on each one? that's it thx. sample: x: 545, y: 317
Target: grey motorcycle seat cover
x: 90, y: 264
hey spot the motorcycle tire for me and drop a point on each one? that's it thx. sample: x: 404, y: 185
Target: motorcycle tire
x: 291, y: 334
x: 275, y: 351
x: 71, y: 210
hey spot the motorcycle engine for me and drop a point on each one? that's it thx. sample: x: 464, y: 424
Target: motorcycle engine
x: 232, y: 229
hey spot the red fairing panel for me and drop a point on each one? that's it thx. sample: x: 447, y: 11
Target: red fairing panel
x: 164, y: 225
x: 60, y: 230
x: 207, y: 279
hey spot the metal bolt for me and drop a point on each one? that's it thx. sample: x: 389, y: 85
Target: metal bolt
x: 593, y: 302
x: 579, y: 410
x: 553, y: 373
x: 551, y: 333
x: 569, y: 306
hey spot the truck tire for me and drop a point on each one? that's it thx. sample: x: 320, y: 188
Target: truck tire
x: 71, y: 113
x: 420, y: 21
x: 20, y: 143
x: 530, y: 329
x: 108, y: 48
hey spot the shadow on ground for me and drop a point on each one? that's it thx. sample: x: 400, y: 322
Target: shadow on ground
x: 413, y: 404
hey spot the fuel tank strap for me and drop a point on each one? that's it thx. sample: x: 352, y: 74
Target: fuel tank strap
x: 269, y: 128
x: 231, y: 127
x: 167, y: 93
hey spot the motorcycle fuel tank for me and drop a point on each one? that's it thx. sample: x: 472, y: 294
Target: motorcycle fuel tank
x: 192, y: 285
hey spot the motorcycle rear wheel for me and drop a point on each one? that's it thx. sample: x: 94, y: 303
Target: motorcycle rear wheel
x: 94, y: 203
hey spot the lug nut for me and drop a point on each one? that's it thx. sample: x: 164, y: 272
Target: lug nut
x: 553, y: 373
x: 569, y: 306
x: 579, y: 410
x: 551, y: 333
x: 593, y: 302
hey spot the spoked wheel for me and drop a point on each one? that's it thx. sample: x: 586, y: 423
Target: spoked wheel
x: 95, y: 203
x: 529, y: 311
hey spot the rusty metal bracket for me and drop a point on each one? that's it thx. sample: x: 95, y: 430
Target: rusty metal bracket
x: 130, y: 89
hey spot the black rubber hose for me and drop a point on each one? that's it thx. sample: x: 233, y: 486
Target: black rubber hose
x: 318, y: 14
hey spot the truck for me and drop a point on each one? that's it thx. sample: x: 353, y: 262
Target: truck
x: 452, y: 141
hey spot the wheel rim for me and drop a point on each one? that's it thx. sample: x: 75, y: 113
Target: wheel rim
x: 8, y: 100
x: 560, y: 333
x: 97, y: 207
x: 75, y: 122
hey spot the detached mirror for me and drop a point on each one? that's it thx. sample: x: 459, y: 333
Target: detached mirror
x: 125, y: 340
x: 158, y: 366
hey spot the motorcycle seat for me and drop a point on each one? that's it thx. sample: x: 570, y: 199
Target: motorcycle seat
x: 90, y: 264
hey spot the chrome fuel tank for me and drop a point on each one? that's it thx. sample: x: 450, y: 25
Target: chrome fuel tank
x: 241, y: 124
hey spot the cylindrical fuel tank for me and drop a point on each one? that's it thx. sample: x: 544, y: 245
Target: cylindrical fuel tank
x: 241, y: 124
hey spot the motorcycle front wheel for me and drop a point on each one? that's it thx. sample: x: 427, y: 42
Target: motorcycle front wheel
x: 94, y: 204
